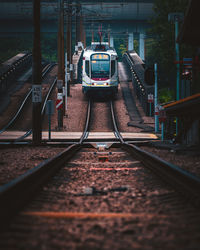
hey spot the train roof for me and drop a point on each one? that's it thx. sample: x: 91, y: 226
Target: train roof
x: 89, y: 52
x: 100, y: 47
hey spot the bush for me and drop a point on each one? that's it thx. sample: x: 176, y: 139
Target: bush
x: 165, y: 95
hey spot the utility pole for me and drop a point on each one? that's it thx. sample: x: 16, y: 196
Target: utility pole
x: 78, y: 21
x: 69, y: 45
x: 37, y: 76
x: 92, y: 32
x: 60, y: 81
x: 84, y: 34
x: 176, y: 18
x: 109, y: 36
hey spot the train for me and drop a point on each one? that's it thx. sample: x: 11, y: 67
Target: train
x: 99, y: 68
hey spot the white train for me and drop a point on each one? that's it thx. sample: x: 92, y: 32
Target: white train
x: 99, y: 68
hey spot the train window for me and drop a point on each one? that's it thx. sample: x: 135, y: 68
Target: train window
x: 112, y: 68
x: 100, y: 69
x: 87, y: 68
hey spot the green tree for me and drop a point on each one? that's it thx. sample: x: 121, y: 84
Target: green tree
x: 162, y: 48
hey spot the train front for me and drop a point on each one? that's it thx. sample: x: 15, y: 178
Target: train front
x: 101, y: 73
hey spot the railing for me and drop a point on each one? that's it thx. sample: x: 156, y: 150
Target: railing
x: 10, y: 72
x: 142, y: 90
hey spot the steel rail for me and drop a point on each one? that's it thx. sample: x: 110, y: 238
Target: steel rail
x: 88, y: 118
x: 17, y: 114
x: 116, y: 131
x: 45, y: 71
x: 86, y: 129
x: 183, y: 181
x: 29, y: 132
x: 15, y: 194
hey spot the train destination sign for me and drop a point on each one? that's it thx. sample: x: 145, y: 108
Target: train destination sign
x: 100, y: 57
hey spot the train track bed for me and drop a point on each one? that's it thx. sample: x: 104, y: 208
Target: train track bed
x: 15, y: 161
x: 186, y: 158
x: 76, y: 111
x: 103, y: 200
x: 15, y: 101
x: 17, y: 97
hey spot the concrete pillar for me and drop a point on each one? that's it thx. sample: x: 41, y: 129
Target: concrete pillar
x: 111, y: 41
x: 130, y: 42
x: 141, y: 46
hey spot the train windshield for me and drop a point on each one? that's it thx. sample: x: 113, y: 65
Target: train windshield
x: 100, y: 66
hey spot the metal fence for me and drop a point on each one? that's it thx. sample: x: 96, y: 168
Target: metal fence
x: 10, y: 71
x: 142, y: 90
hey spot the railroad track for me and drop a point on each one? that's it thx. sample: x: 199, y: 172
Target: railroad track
x: 103, y: 183
x: 13, y: 120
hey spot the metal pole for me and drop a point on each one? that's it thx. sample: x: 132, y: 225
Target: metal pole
x: 49, y: 118
x: 69, y: 46
x: 150, y: 108
x: 63, y: 53
x: 78, y: 20
x: 109, y: 37
x: 66, y: 81
x: 162, y: 129
x: 178, y: 64
x: 177, y: 69
x: 81, y: 29
x: 37, y: 76
x: 156, y: 99
x: 92, y: 32
x: 60, y: 60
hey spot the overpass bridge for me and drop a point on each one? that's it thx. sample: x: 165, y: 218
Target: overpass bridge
x: 121, y: 19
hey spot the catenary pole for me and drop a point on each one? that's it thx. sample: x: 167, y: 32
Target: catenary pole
x: 37, y: 76
x: 60, y: 61
x: 69, y: 45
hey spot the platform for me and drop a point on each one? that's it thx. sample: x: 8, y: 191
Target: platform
x: 65, y: 135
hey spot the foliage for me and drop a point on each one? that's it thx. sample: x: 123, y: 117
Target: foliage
x: 49, y: 46
x: 122, y: 49
x: 120, y: 46
x: 12, y: 45
x: 165, y: 95
x: 162, y: 48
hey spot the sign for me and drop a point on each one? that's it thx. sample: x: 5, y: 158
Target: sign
x: 187, y: 61
x: 59, y: 101
x: 80, y: 44
x: 59, y: 84
x: 71, y: 67
x: 100, y: 57
x: 150, y: 98
x: 36, y: 93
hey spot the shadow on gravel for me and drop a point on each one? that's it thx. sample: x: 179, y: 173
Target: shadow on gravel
x: 133, y: 112
x: 101, y: 96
